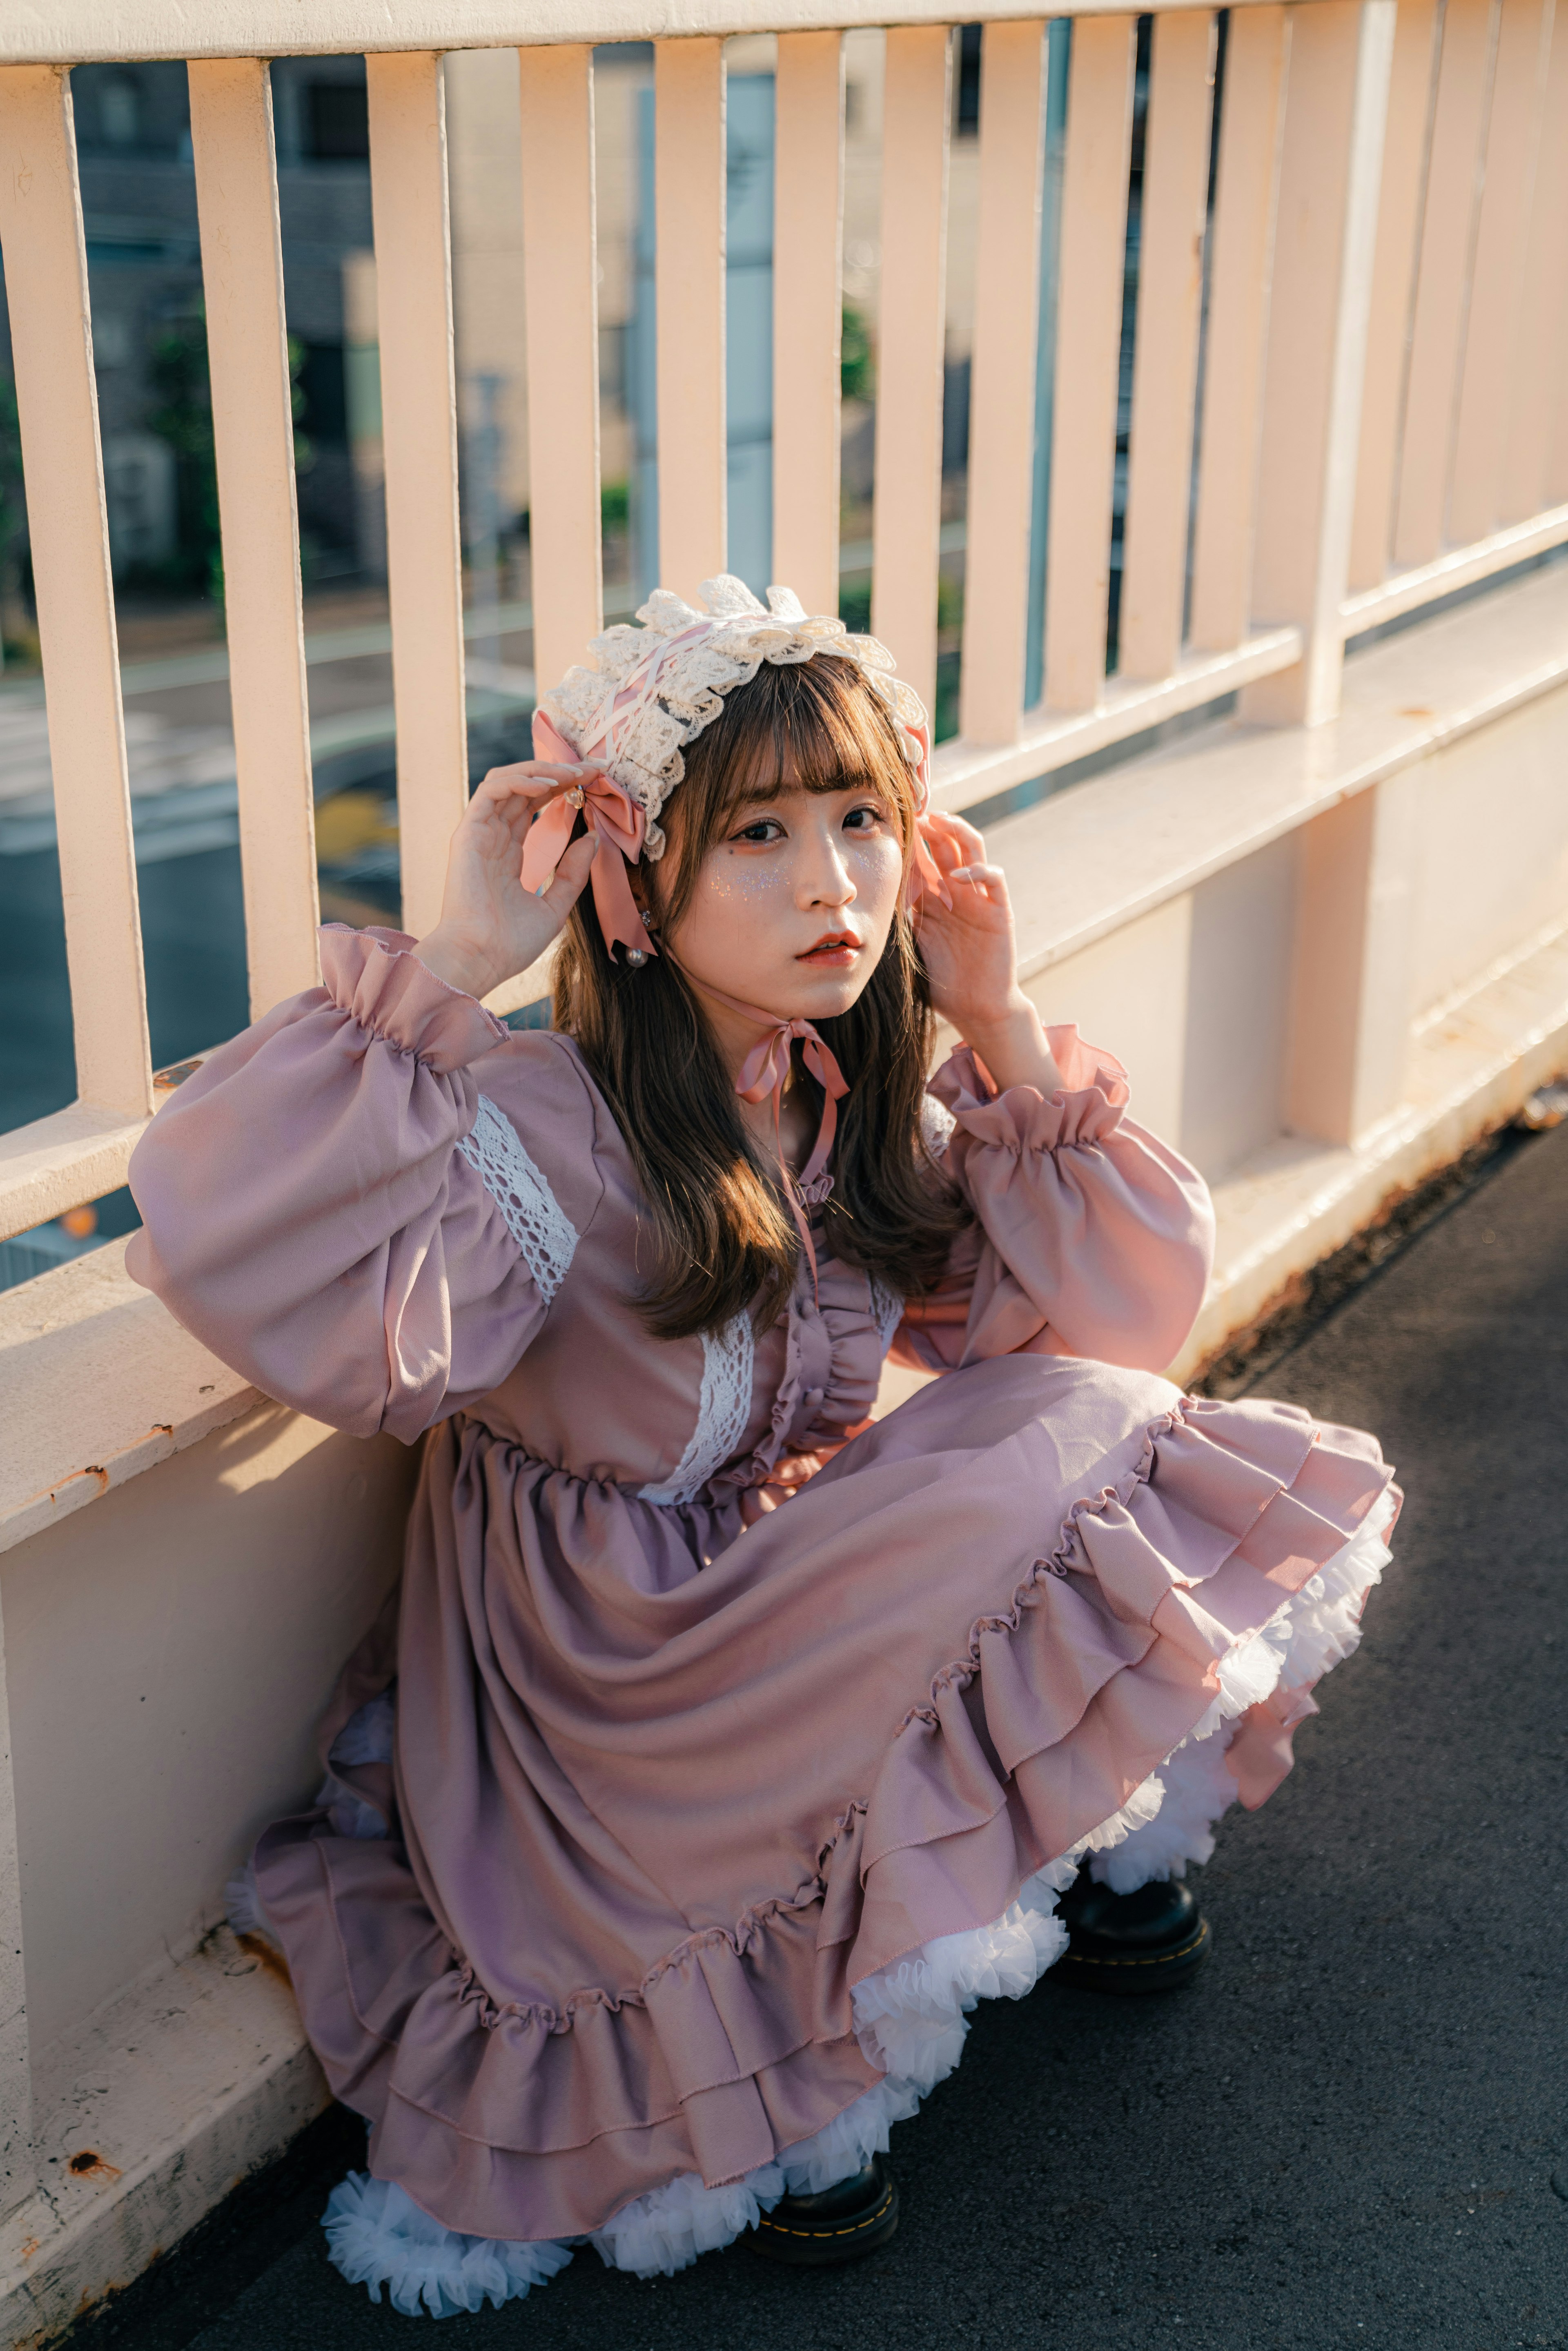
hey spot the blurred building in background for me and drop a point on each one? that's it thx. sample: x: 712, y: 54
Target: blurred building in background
x: 139, y: 200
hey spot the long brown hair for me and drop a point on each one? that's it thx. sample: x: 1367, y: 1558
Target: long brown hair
x: 723, y: 1238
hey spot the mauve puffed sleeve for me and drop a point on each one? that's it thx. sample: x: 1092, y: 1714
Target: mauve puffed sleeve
x: 309, y: 1214
x: 1092, y: 1238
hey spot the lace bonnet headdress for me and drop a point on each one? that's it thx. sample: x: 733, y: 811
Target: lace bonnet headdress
x: 650, y: 693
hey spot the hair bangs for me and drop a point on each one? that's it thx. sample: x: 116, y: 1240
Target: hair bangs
x: 813, y: 725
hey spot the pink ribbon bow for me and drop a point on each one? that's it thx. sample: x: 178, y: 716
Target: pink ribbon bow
x: 621, y: 825
x: 763, y: 1072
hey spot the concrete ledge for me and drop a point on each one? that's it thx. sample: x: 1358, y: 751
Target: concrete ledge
x: 51, y: 31
x: 192, y: 2079
x: 1470, y: 1071
x: 49, y: 1165
x: 1098, y: 857
x: 87, y: 1331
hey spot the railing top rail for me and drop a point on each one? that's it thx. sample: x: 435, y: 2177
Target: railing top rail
x: 71, y: 32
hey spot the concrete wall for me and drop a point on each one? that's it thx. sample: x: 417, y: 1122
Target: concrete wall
x: 1195, y: 999
x: 198, y: 1617
x: 1492, y: 856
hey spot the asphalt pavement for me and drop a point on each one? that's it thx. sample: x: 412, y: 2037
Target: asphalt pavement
x: 1352, y: 2127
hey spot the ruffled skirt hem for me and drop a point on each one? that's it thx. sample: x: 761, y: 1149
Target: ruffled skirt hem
x: 911, y: 2018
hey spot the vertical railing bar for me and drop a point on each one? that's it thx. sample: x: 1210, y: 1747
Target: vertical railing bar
x: 253, y: 430
x: 1407, y: 156
x: 1164, y: 379
x: 1542, y: 392
x: 561, y: 324
x: 907, y: 517
x: 1447, y: 247
x: 1495, y: 322
x: 1330, y: 170
x: 1348, y: 1029
x: 1244, y: 202
x: 1555, y: 492
x: 56, y: 400
x: 808, y: 313
x: 1058, y: 72
x: 419, y: 429
x: 689, y: 206
x: 1002, y: 402
x: 1088, y: 349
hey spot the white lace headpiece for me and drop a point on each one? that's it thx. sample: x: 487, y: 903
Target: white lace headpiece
x: 654, y: 688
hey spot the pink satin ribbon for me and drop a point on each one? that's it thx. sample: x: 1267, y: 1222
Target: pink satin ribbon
x: 621, y: 825
x: 765, y: 1071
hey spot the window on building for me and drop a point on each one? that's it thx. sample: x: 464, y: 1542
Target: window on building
x: 337, y: 121
x: 324, y: 415
x: 966, y: 95
x: 118, y: 113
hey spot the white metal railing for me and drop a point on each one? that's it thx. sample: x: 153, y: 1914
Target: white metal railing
x: 1364, y: 343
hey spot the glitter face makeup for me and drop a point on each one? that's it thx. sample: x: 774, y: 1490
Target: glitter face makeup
x: 792, y: 906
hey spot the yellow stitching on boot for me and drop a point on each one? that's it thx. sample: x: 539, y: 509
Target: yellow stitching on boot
x: 766, y: 2221
x: 1088, y: 1959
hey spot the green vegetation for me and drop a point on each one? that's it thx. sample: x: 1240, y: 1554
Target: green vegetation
x: 854, y: 606
x: 184, y: 418
x: 854, y: 355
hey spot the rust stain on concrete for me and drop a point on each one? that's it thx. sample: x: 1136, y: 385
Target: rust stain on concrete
x: 270, y: 1958
x: 93, y: 1470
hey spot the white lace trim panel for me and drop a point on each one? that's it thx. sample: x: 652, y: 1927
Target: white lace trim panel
x: 886, y: 1311
x: 936, y: 1124
x: 722, y: 1410
x: 534, y: 1217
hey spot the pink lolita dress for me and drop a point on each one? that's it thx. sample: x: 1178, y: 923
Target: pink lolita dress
x: 668, y: 1839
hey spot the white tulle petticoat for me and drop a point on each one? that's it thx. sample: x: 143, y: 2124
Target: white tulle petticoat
x: 911, y: 2019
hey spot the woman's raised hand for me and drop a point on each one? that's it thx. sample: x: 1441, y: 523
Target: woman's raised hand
x: 491, y: 927
x: 971, y: 959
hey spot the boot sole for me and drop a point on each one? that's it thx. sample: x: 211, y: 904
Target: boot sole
x: 1145, y: 1972
x: 844, y: 2240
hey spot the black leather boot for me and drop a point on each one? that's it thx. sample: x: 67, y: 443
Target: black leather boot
x: 1148, y: 1942
x: 843, y: 2221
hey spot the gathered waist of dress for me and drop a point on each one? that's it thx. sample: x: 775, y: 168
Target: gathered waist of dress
x: 476, y: 1433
